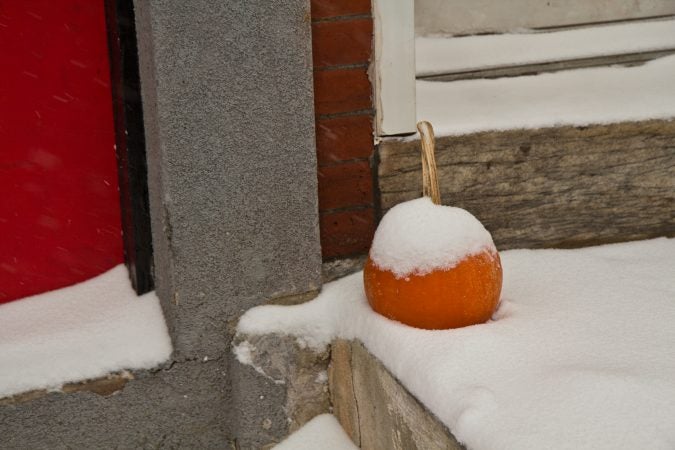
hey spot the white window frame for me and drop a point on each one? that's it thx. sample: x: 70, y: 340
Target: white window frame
x: 393, y: 72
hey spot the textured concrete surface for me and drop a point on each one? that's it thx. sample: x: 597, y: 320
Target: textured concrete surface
x: 187, y: 405
x: 227, y: 91
x: 170, y: 408
x: 301, y: 372
x: 228, y: 104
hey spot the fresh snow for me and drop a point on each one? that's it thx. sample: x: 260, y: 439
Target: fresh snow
x: 443, y: 54
x: 576, y: 97
x: 321, y: 433
x: 580, y: 353
x: 80, y: 332
x: 417, y: 237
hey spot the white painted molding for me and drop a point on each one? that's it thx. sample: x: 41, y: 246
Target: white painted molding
x: 393, y: 72
x: 480, y: 16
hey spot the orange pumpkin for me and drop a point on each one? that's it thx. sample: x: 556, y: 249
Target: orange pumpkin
x: 466, y: 294
x: 432, y: 266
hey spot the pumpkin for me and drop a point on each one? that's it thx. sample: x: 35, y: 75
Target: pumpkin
x: 432, y: 266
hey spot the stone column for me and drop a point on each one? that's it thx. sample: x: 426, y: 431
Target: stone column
x: 229, y: 117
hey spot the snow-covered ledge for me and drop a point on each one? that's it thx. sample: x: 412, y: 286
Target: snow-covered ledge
x: 581, y: 97
x: 81, y: 332
x: 579, y: 353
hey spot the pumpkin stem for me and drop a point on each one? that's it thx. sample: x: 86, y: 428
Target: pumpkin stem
x: 429, y: 176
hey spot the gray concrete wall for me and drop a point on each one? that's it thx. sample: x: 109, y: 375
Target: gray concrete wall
x: 228, y: 104
x: 171, y: 408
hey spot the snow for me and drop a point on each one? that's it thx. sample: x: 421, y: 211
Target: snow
x: 579, y: 354
x: 417, y: 237
x: 321, y: 433
x: 244, y: 354
x: 442, y: 54
x: 80, y: 332
x: 576, y: 97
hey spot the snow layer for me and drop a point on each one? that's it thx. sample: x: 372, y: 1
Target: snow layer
x: 321, y: 433
x: 576, y: 97
x: 80, y: 332
x: 417, y: 237
x: 436, y: 55
x: 580, y: 354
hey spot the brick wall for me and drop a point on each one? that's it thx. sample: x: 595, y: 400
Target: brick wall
x: 342, y: 32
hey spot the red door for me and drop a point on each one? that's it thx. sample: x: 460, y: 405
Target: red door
x: 59, y: 199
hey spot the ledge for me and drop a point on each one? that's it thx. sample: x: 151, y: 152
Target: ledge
x: 83, y: 332
x: 582, y: 97
x: 577, y: 330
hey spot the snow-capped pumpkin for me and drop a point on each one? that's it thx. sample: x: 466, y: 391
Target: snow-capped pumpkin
x: 432, y: 266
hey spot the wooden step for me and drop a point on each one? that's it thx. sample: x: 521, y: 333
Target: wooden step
x: 375, y: 410
x: 565, y: 186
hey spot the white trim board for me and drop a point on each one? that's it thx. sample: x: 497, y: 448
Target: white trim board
x: 481, y: 16
x: 440, y: 55
x: 393, y: 72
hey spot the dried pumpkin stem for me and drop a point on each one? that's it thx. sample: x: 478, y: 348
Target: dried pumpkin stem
x: 429, y: 174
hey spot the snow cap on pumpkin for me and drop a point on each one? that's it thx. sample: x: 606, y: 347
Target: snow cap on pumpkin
x: 418, y: 237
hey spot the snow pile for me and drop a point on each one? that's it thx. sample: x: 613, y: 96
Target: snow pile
x: 417, y: 237
x: 321, y: 433
x: 442, y: 54
x: 80, y: 332
x: 580, y: 354
x: 576, y: 97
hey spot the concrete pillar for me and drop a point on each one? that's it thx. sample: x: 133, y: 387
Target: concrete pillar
x: 229, y: 117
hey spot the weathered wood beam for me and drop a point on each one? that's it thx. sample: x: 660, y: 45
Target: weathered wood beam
x: 553, y: 187
x: 375, y: 410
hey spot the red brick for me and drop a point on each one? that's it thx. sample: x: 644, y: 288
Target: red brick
x: 345, y: 185
x: 342, y: 42
x: 346, y: 233
x: 344, y: 138
x: 324, y: 9
x: 342, y: 90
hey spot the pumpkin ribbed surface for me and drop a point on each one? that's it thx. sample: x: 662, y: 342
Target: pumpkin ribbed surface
x: 465, y: 294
